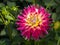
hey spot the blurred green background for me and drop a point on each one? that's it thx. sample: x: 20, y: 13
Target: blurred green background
x: 9, y: 9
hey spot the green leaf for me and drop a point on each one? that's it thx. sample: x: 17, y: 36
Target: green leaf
x: 49, y: 2
x: 58, y: 9
x: 58, y: 43
x: 1, y: 20
x: 18, y: 40
x: 3, y: 32
x: 29, y: 0
x: 4, y: 42
x: 57, y: 1
x: 14, y: 8
x: 56, y: 37
x: 54, y: 16
x: 51, y: 43
x: 11, y: 4
x: 4, y: 11
x: 9, y: 17
x: 14, y: 32
x: 1, y: 5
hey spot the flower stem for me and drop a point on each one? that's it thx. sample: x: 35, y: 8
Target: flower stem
x: 58, y: 38
x: 58, y: 43
x: 2, y: 18
x: 9, y: 33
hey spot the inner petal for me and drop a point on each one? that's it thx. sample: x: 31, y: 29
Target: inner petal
x: 33, y: 20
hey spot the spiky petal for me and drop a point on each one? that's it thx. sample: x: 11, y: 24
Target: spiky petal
x: 34, y: 22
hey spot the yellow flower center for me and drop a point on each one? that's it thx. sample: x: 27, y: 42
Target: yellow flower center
x: 33, y: 20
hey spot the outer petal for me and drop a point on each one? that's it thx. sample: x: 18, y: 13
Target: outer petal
x: 33, y: 22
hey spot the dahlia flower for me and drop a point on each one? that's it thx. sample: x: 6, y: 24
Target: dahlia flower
x: 34, y: 22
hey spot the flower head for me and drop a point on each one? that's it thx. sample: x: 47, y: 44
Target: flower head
x: 33, y: 22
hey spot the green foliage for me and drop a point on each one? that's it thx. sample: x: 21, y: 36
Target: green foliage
x: 1, y: 5
x: 9, y: 9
